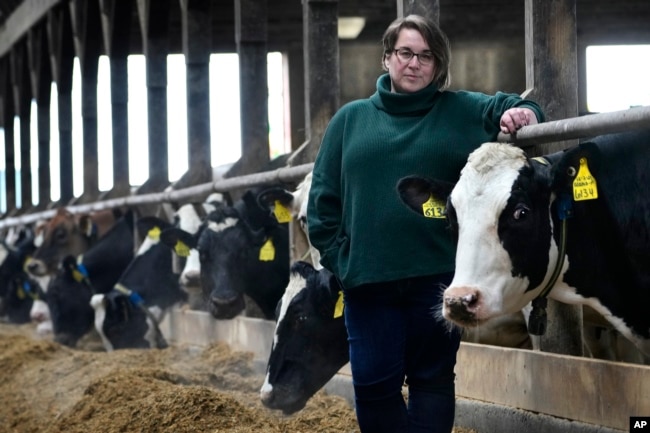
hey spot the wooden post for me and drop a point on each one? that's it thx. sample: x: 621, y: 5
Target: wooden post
x: 251, y: 38
x: 87, y: 41
x: 8, y: 122
x: 116, y: 31
x: 154, y: 19
x: 551, y: 80
x: 59, y: 32
x: 322, y: 75
x: 426, y: 8
x: 22, y: 103
x: 41, y: 82
x: 196, y: 29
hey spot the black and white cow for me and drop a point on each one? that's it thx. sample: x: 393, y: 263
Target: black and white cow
x: 310, y: 342
x: 96, y: 271
x: 583, y: 214
x: 243, y: 250
x: 128, y: 315
x: 189, y: 218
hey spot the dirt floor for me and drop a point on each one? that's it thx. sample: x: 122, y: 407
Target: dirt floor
x: 49, y: 388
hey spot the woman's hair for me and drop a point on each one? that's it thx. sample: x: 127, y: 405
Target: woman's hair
x: 432, y: 34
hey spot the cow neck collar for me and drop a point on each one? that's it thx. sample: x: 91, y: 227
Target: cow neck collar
x: 135, y: 299
x: 537, y: 319
x: 80, y: 273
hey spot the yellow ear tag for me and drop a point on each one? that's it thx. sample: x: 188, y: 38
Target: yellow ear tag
x: 181, y: 249
x: 281, y: 213
x: 78, y: 276
x: 267, y: 252
x: 338, y: 308
x: 433, y: 208
x: 584, y: 185
x: 154, y: 233
x: 21, y: 293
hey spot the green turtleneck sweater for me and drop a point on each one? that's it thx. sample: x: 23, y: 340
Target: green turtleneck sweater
x: 356, y: 219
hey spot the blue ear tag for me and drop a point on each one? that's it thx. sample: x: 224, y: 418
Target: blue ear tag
x: 135, y: 298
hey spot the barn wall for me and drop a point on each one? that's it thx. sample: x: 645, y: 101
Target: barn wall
x: 478, y: 66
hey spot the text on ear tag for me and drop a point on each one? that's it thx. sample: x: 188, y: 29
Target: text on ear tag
x: 281, y: 213
x: 267, y: 252
x: 584, y: 185
x: 181, y: 249
x: 433, y: 208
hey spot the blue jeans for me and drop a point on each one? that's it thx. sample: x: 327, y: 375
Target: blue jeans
x: 396, y: 332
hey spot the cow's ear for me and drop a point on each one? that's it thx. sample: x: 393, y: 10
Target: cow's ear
x: 415, y: 191
x: 178, y: 240
x: 277, y: 200
x: 269, y: 196
x: 586, y: 157
x: 86, y: 225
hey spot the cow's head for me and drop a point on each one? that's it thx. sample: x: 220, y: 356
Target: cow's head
x: 500, y: 211
x: 242, y: 251
x: 281, y: 201
x: 310, y: 342
x: 189, y: 218
x: 65, y: 234
x: 68, y: 297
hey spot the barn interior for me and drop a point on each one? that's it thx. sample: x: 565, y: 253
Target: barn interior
x: 497, y: 45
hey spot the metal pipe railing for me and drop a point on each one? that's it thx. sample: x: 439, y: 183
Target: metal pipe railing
x: 558, y: 130
x: 578, y: 127
x: 281, y: 175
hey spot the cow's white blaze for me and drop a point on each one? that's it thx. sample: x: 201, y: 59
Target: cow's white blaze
x: 147, y: 244
x: 221, y: 226
x: 483, y: 267
x: 4, y: 252
x: 296, y: 284
x: 190, y: 221
x: 97, y: 302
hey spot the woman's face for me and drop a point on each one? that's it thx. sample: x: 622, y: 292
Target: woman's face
x: 409, y: 76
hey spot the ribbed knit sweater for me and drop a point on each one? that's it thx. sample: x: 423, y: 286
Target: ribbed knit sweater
x: 356, y: 219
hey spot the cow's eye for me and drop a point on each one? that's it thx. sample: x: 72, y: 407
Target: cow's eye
x: 60, y: 235
x: 521, y: 212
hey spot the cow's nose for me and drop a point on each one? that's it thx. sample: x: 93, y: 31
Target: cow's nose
x: 461, y: 305
x: 191, y: 281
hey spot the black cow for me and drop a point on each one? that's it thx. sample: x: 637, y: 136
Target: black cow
x: 17, y: 289
x: 128, y: 315
x: 69, y: 292
x: 243, y: 250
x: 511, y: 214
x: 310, y: 343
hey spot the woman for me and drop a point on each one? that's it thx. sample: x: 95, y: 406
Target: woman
x: 393, y: 264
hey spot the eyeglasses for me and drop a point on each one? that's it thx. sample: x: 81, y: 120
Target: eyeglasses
x: 405, y: 55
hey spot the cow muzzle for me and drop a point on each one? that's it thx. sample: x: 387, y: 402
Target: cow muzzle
x: 462, y: 306
x: 36, y: 267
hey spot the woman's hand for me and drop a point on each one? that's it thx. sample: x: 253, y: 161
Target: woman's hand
x: 514, y: 118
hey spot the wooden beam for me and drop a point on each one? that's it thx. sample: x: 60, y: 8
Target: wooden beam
x: 551, y: 80
x: 26, y: 15
x: 322, y: 75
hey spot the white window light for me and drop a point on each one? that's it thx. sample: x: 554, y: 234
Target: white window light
x: 350, y: 27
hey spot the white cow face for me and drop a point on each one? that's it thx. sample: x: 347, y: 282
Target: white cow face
x: 500, y: 210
